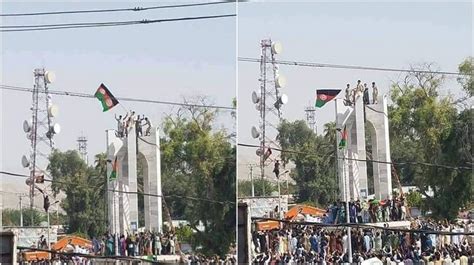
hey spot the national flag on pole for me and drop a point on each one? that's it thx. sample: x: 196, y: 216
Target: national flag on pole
x: 323, y: 96
x: 105, y: 97
x: 343, y: 141
x: 113, y: 175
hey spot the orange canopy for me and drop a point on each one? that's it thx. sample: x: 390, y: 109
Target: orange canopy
x: 304, y: 209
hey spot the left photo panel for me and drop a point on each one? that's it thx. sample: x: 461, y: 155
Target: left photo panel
x: 118, y: 132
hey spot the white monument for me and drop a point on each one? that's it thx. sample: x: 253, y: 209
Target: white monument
x: 354, y: 118
x: 123, y: 206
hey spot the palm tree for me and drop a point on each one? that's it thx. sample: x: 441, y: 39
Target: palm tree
x: 330, y: 132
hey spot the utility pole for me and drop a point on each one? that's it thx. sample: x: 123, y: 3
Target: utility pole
x: 251, y: 180
x: 21, y: 211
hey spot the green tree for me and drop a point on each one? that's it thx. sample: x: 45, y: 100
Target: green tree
x: 314, y: 161
x: 84, y: 189
x: 245, y: 187
x: 427, y: 128
x: 467, y: 79
x: 11, y: 217
x: 199, y: 162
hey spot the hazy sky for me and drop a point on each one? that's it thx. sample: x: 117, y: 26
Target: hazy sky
x: 353, y: 33
x: 163, y: 61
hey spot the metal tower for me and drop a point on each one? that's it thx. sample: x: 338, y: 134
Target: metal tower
x: 268, y: 100
x: 82, y: 148
x: 40, y: 130
x: 310, y: 118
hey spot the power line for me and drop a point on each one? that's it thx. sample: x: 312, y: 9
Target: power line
x: 353, y: 67
x: 134, y: 9
x: 85, y: 95
x: 125, y: 192
x: 365, y: 160
x: 22, y: 28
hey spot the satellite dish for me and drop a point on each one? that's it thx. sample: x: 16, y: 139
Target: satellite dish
x: 28, y: 181
x: 280, y: 81
x: 255, y: 97
x: 283, y: 99
x: 56, y: 128
x: 53, y: 111
x: 24, y: 161
x: 259, y: 152
x: 255, y: 132
x: 49, y: 76
x: 26, y: 126
x: 277, y: 48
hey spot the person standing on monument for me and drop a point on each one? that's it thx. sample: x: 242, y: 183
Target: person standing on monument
x: 375, y: 93
x: 119, y: 126
x: 366, y: 94
x: 358, y: 90
x: 148, y: 129
x: 348, y: 97
x: 138, y: 125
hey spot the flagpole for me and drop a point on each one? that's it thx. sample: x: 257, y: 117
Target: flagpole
x: 345, y: 186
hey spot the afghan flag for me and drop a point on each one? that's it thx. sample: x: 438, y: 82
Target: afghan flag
x: 323, y: 96
x: 343, y: 141
x: 113, y: 175
x: 105, y: 97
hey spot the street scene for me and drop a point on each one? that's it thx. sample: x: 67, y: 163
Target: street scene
x: 118, y: 135
x: 355, y: 133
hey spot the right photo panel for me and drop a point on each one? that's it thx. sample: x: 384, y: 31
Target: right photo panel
x: 355, y: 133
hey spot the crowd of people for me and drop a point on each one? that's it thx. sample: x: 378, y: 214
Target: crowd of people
x: 367, y: 211
x: 361, y: 90
x: 295, y: 244
x: 138, y: 244
x: 130, y: 121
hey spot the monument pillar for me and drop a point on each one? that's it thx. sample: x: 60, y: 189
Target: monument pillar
x: 149, y: 146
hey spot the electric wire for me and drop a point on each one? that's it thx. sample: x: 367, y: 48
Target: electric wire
x: 352, y: 67
x: 22, y: 28
x: 85, y: 95
x: 365, y: 160
x: 125, y: 192
x: 134, y: 9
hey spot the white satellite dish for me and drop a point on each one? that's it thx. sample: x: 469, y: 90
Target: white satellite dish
x: 53, y: 110
x: 56, y: 128
x: 255, y: 132
x: 255, y: 97
x: 24, y: 161
x: 49, y: 76
x: 26, y: 126
x: 280, y: 81
x: 283, y: 99
x: 276, y: 48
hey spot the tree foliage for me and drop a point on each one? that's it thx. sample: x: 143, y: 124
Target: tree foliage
x: 84, y: 189
x: 199, y: 161
x: 427, y: 128
x: 314, y: 160
x: 467, y: 79
x: 245, y: 187
x: 11, y: 217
